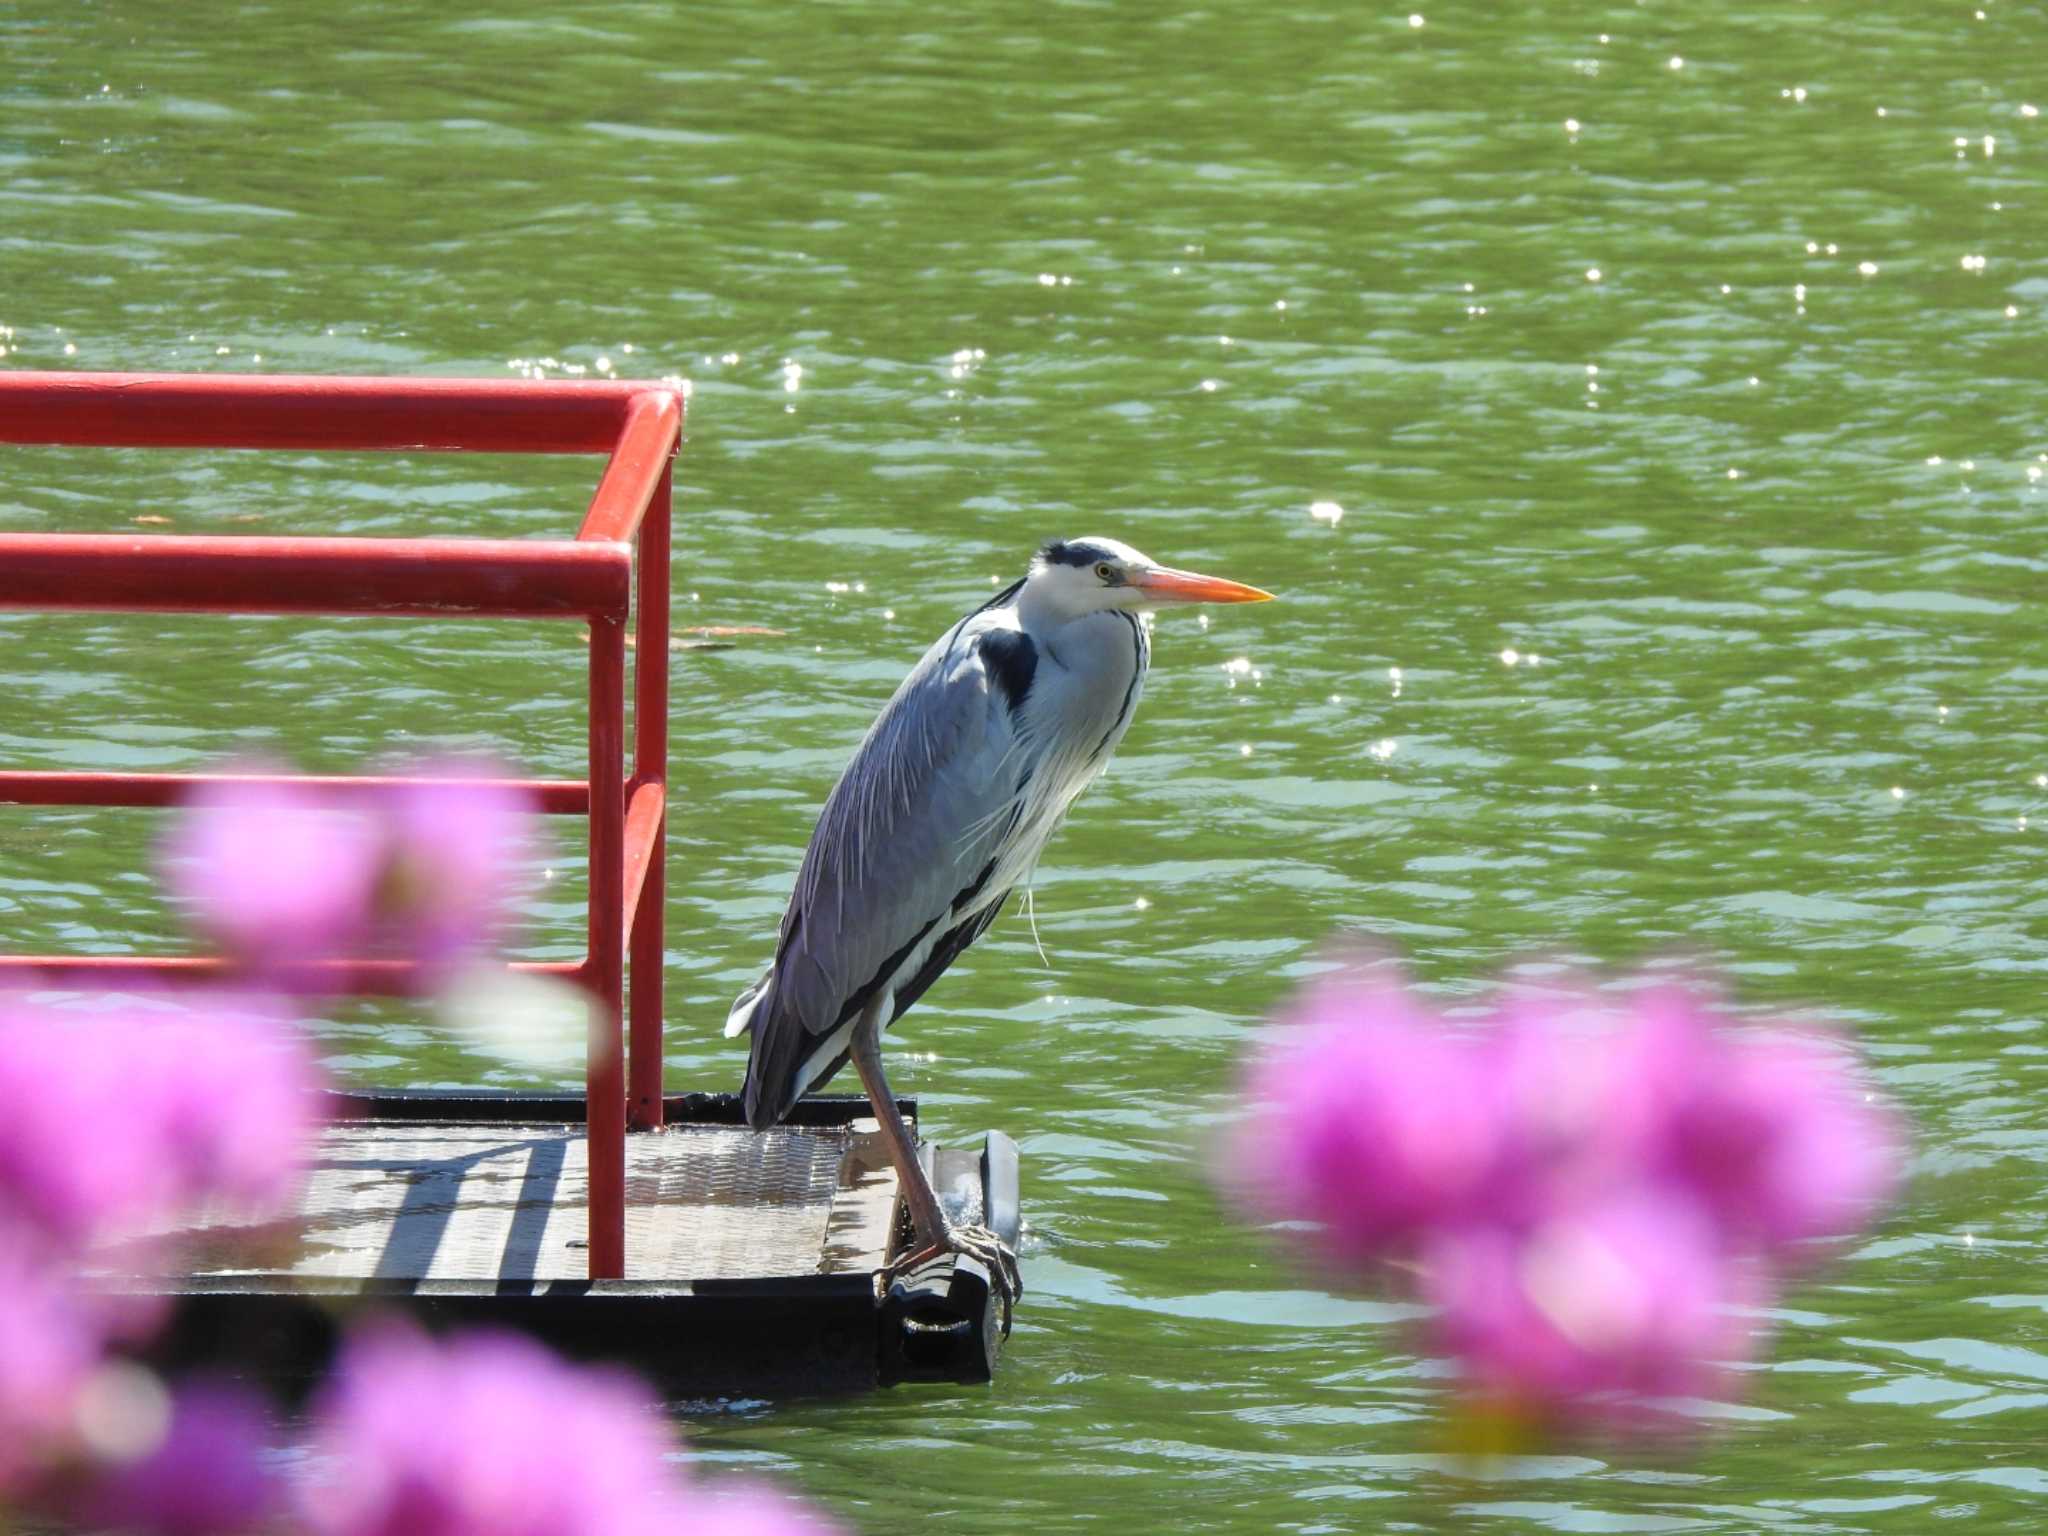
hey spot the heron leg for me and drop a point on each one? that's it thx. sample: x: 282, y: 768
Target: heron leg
x: 931, y: 1233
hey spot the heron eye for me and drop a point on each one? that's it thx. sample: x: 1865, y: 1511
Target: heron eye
x: 1106, y: 571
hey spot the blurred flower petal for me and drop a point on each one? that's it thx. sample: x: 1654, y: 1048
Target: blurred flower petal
x: 1633, y: 1295
x: 452, y: 854
x: 483, y: 1435
x: 1595, y: 1187
x: 51, y: 1338
x: 209, y: 1474
x: 1367, y: 1118
x: 274, y: 877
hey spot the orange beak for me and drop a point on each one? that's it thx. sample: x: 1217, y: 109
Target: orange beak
x: 1162, y: 583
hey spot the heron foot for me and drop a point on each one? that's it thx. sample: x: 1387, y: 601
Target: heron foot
x: 974, y: 1242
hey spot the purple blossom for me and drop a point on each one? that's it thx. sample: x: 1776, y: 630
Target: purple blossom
x: 1590, y: 1187
x: 1631, y: 1295
x: 236, y: 1097
x: 51, y: 1340
x: 1368, y: 1119
x: 111, y: 1120
x: 483, y: 1435
x: 1783, y: 1144
x: 278, y: 878
x: 282, y: 879
x: 487, y: 1434
x: 451, y: 855
x: 74, y: 1162
x: 210, y: 1474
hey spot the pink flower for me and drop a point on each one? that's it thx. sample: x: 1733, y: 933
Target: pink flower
x: 1783, y: 1144
x: 1368, y: 1118
x: 273, y: 875
x: 283, y: 880
x: 484, y: 1435
x: 488, y: 1434
x: 1633, y: 1295
x: 451, y: 856
x: 74, y: 1162
x: 211, y: 1474
x: 51, y: 1340
x: 1592, y: 1188
x: 236, y: 1098
x: 111, y: 1120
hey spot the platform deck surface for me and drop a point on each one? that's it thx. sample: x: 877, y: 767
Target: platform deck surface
x: 403, y: 1201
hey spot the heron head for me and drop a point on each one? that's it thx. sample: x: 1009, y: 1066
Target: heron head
x: 1079, y: 576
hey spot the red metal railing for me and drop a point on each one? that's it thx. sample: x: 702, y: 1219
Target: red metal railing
x: 593, y: 577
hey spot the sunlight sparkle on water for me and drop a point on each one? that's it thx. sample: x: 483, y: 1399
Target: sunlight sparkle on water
x: 1326, y: 512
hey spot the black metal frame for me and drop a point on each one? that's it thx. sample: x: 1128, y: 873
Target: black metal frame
x: 773, y: 1336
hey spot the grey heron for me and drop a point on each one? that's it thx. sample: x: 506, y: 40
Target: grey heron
x: 945, y: 806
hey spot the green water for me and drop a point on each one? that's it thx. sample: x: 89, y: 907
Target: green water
x: 1773, y: 590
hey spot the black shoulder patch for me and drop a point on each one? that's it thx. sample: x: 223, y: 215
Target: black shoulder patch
x: 1074, y: 552
x: 1012, y: 660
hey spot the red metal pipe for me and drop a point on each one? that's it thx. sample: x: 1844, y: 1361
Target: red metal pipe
x: 210, y: 410
x: 605, y: 1068
x: 648, y: 957
x: 423, y: 578
x: 636, y: 424
x: 553, y: 797
x: 334, y: 978
x: 638, y: 463
x: 644, y: 806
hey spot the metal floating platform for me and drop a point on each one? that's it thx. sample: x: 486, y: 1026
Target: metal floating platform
x: 753, y: 1258
x: 652, y: 1228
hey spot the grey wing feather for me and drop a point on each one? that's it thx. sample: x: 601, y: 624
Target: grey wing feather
x: 910, y: 844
